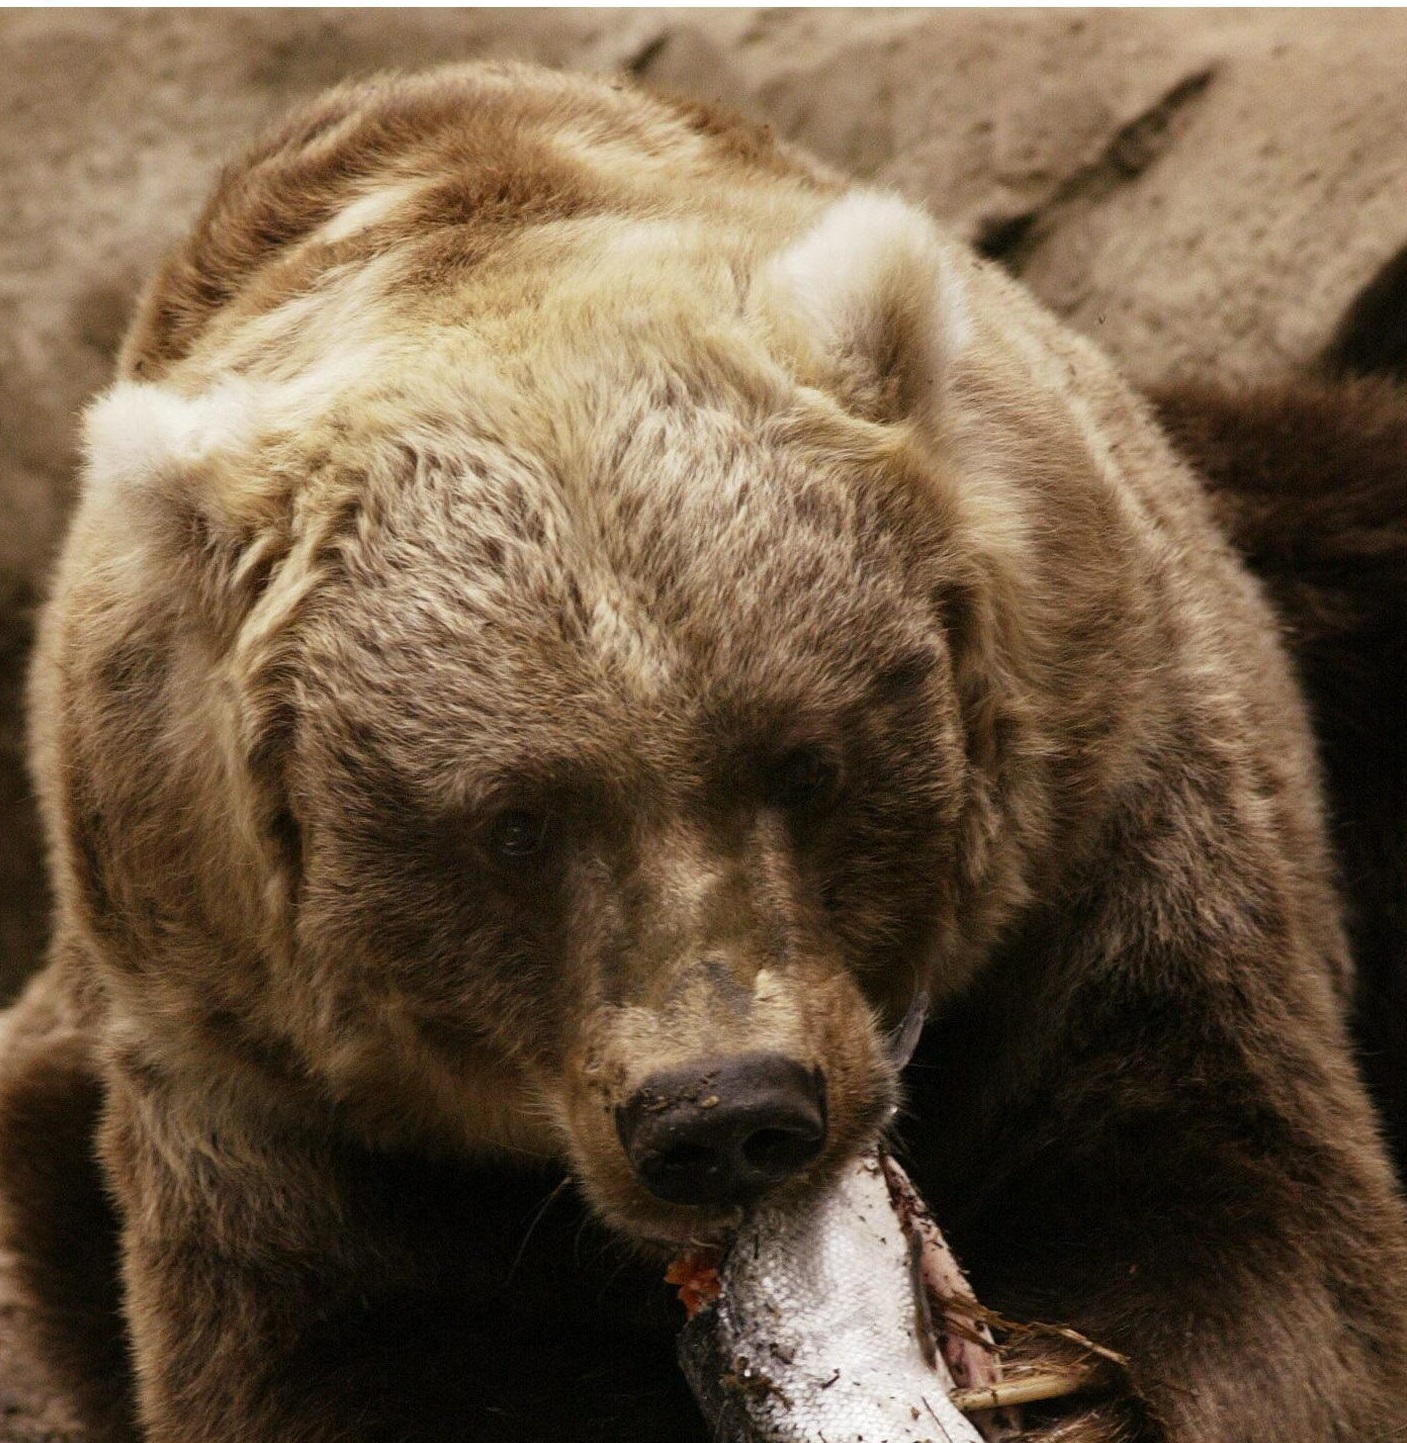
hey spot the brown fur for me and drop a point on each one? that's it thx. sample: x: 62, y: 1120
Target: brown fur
x: 506, y: 445
x: 1309, y: 479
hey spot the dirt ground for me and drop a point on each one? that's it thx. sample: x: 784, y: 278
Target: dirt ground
x: 1206, y: 192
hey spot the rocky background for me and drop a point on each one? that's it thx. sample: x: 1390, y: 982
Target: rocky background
x: 1204, y: 192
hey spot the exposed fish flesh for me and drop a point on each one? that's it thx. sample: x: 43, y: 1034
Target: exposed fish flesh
x: 822, y: 1329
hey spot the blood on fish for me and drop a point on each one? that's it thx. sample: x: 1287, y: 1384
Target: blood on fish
x: 695, y: 1274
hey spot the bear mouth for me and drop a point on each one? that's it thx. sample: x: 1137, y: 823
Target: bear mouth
x: 664, y: 1228
x: 707, y: 1229
x: 673, y: 1153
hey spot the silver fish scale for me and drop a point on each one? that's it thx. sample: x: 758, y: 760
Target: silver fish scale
x: 819, y: 1325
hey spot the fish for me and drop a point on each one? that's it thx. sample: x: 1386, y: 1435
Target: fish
x: 829, y: 1320
x: 842, y: 1316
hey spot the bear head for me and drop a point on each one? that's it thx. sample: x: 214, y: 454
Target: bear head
x: 548, y: 709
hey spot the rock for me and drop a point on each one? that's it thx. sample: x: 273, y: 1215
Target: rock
x: 1279, y: 197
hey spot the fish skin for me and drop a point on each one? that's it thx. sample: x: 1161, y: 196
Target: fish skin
x: 817, y: 1336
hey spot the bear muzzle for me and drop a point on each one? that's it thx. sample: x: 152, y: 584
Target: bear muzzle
x: 684, y: 1104
x: 723, y: 1131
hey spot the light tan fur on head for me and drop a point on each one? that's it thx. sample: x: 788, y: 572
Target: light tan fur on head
x: 464, y: 503
x: 868, y: 304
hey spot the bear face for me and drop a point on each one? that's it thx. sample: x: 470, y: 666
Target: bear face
x: 662, y: 796
x: 579, y: 778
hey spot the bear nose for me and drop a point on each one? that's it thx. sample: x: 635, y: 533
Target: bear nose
x: 721, y: 1132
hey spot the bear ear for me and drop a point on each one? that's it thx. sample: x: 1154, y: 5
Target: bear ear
x: 869, y: 306
x: 179, y: 479
x: 147, y: 440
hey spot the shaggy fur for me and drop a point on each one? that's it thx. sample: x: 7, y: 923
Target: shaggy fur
x: 514, y: 487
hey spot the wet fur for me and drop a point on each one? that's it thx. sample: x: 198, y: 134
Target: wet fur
x: 1079, y: 799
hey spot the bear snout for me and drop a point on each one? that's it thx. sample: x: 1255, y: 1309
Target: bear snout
x: 723, y: 1131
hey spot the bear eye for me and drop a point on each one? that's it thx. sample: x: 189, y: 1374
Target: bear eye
x: 804, y: 780
x: 518, y: 835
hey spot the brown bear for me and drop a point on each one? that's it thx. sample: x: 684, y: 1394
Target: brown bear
x: 572, y: 599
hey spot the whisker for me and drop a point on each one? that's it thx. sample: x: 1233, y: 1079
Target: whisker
x: 537, y: 1217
